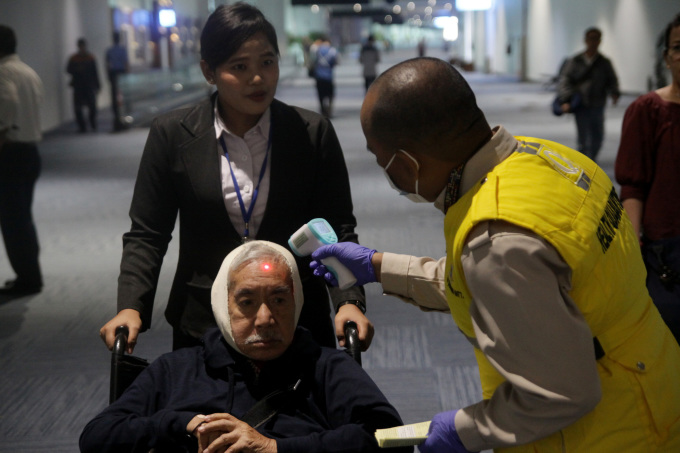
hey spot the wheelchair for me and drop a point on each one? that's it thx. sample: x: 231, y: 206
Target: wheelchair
x: 125, y: 368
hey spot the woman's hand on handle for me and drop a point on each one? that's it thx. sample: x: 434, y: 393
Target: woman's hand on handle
x: 127, y: 317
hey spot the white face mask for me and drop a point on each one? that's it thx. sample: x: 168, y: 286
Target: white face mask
x: 415, y: 197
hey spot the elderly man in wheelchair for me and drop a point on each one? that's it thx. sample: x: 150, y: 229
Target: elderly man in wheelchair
x: 257, y: 384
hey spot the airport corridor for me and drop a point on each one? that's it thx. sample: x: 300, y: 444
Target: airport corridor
x: 54, y: 369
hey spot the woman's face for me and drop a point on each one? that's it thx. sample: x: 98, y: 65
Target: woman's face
x: 673, y: 55
x: 246, y: 83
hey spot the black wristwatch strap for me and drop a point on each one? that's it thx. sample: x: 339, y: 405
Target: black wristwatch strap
x: 358, y: 303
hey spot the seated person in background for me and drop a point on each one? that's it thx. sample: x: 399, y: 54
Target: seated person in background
x: 197, y: 397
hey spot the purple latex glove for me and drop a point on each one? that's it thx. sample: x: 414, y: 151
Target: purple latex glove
x: 355, y: 257
x: 442, y: 436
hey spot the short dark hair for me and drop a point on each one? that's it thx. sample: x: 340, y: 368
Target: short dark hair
x: 594, y: 30
x: 228, y: 27
x: 426, y: 100
x: 674, y: 23
x: 8, y: 40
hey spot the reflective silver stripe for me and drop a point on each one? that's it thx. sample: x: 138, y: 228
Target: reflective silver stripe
x: 472, y: 340
x: 529, y: 147
x: 584, y: 182
x: 560, y: 163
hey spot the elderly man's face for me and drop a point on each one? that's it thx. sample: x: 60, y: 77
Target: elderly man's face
x: 262, y: 308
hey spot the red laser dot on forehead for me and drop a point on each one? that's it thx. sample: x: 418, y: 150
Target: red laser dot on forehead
x: 266, y: 266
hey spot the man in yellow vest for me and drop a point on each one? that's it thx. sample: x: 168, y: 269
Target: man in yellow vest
x: 543, y: 275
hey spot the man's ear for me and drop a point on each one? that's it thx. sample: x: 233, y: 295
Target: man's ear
x: 208, y: 73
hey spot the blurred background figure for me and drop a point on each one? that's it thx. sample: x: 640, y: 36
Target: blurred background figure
x: 116, y: 64
x: 369, y: 57
x: 21, y: 94
x: 325, y: 59
x: 85, y: 83
x: 647, y: 167
x: 421, y: 47
x: 590, y: 76
x: 311, y: 57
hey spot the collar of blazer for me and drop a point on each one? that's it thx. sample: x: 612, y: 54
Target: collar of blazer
x: 201, y: 117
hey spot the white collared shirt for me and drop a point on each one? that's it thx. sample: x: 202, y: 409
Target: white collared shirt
x: 22, y: 93
x: 246, y: 155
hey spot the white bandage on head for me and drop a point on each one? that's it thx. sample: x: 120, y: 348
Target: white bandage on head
x: 243, y: 254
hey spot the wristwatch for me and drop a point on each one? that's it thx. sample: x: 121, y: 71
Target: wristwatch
x: 361, y: 305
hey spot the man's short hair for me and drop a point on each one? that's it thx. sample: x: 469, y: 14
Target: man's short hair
x: 8, y: 40
x: 423, y: 100
x: 594, y: 30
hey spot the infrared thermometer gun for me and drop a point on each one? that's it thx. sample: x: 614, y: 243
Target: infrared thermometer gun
x: 311, y: 236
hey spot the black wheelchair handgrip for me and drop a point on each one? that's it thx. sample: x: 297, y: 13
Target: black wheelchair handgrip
x: 352, y: 344
x: 124, y: 368
x: 120, y: 342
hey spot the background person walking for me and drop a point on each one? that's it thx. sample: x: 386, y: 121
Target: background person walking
x: 116, y: 64
x: 325, y: 60
x: 590, y: 76
x: 369, y: 57
x: 85, y: 83
x: 21, y: 94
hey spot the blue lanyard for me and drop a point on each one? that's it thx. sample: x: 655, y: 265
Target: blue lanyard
x: 247, y: 214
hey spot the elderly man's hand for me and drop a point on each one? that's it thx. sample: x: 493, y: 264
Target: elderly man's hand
x: 221, y: 432
x: 349, y: 312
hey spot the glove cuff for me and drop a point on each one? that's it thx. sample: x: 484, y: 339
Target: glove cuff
x: 371, y: 269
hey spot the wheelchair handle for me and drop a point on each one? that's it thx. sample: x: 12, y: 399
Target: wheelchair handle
x: 117, y: 352
x: 120, y: 343
x: 352, y: 344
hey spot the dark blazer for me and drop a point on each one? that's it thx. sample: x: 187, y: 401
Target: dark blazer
x: 180, y: 172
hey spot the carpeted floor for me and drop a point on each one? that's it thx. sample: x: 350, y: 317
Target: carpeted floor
x: 54, y: 369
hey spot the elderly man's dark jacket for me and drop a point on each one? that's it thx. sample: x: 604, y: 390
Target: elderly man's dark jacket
x: 337, y: 407
x: 180, y: 172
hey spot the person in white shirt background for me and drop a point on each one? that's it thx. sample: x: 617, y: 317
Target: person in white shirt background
x: 21, y: 94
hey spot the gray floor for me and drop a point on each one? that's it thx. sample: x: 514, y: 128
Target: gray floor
x: 53, y: 366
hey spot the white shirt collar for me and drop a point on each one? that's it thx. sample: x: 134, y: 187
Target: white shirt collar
x: 501, y: 145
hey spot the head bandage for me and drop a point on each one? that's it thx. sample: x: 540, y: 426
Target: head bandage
x: 220, y: 288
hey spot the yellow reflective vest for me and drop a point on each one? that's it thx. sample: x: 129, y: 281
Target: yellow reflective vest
x: 577, y: 211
